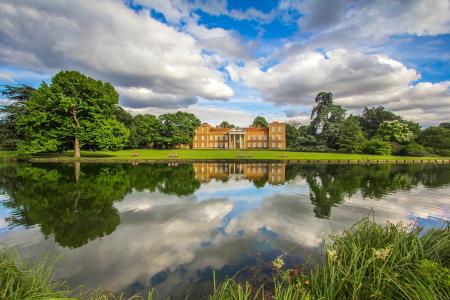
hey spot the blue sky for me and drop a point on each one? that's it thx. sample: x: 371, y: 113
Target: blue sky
x: 233, y: 60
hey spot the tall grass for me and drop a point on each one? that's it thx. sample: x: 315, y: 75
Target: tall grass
x: 369, y: 261
x: 20, y: 280
x: 395, y: 261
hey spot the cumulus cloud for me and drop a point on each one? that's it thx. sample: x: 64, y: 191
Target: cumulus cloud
x: 364, y: 20
x: 110, y: 41
x: 209, y: 114
x: 356, y: 80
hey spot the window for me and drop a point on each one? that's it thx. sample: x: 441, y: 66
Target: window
x: 279, y: 129
x: 280, y: 145
x: 265, y: 145
x: 203, y: 138
x: 226, y: 137
x: 221, y: 145
x: 249, y: 144
x: 195, y: 144
x: 215, y: 144
x: 195, y: 138
x: 216, y: 137
x: 203, y: 145
x: 259, y: 144
x: 273, y: 145
x: 226, y: 145
x: 254, y: 144
x: 220, y: 138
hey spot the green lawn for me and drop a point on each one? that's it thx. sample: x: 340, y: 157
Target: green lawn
x: 152, y: 154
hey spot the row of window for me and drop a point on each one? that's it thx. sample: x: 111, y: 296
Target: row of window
x: 249, y: 138
x: 249, y: 145
x: 275, y: 129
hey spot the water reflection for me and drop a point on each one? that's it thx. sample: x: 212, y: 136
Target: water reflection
x: 130, y: 228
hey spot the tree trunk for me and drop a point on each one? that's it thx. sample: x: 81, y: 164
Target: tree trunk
x: 76, y: 142
x: 77, y: 168
x: 76, y: 149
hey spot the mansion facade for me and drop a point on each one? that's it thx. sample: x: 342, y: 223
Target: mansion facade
x: 209, y: 137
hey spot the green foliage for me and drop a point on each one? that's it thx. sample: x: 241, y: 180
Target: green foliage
x: 372, y: 118
x: 326, y: 119
x: 395, y: 131
x: 145, y: 131
x: 177, y: 128
x: 445, y: 125
x: 299, y: 137
x: 260, y: 122
x: 20, y: 280
x: 225, y: 124
x: 435, y: 137
x: 74, y: 108
x: 395, y: 261
x: 377, y: 146
x: 17, y: 96
x: 413, y: 149
x: 351, y: 138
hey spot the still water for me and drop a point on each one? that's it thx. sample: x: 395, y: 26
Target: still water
x: 134, y: 227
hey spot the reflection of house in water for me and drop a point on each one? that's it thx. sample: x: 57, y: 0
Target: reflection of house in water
x: 274, y: 173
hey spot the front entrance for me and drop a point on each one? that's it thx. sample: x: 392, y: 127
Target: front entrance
x: 237, y: 140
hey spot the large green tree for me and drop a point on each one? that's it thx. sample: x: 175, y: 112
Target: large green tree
x: 73, y: 111
x: 435, y: 137
x: 177, y: 128
x: 260, y: 122
x: 226, y: 124
x: 17, y: 96
x: 145, y: 131
x: 351, y: 137
x: 395, y: 131
x: 372, y: 118
x: 326, y: 119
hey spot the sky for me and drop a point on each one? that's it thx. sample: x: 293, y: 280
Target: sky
x: 233, y: 60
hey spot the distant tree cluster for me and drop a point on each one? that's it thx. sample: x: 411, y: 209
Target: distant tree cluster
x: 375, y: 131
x: 78, y: 112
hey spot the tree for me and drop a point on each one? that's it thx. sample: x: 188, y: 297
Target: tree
x: 177, y: 128
x: 326, y: 119
x: 260, y: 122
x: 372, y: 118
x: 225, y: 124
x: 145, y: 131
x: 377, y: 146
x: 395, y: 131
x: 17, y: 96
x: 299, y: 137
x: 124, y: 117
x: 74, y: 110
x: 435, y: 137
x: 445, y: 125
x: 351, y: 137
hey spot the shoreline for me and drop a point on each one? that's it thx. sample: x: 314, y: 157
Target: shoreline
x: 238, y: 160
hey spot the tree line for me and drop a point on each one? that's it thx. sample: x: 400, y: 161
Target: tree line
x: 375, y: 131
x: 78, y: 112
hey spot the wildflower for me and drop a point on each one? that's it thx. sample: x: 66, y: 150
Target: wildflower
x: 332, y: 254
x: 278, y: 263
x: 382, y: 254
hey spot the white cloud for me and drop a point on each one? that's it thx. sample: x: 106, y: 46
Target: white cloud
x: 6, y: 76
x: 356, y: 80
x: 110, y: 41
x: 208, y: 114
x: 373, y: 21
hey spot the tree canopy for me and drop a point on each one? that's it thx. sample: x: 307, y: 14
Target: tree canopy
x: 395, y: 131
x: 260, y: 122
x: 73, y: 111
x: 225, y: 124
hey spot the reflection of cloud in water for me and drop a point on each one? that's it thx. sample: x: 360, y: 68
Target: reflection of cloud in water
x: 171, y: 242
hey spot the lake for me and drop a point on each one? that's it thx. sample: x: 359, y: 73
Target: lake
x: 131, y: 227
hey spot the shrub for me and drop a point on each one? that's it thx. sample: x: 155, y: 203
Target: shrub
x: 413, y: 149
x: 378, y: 147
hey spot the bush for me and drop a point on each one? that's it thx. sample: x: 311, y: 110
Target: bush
x: 413, y: 149
x: 378, y: 147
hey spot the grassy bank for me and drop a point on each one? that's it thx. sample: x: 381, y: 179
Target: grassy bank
x: 151, y: 154
x: 368, y: 261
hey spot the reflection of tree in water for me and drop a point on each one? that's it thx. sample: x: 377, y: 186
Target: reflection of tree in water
x: 330, y: 184
x: 76, y: 208
x: 75, y: 212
